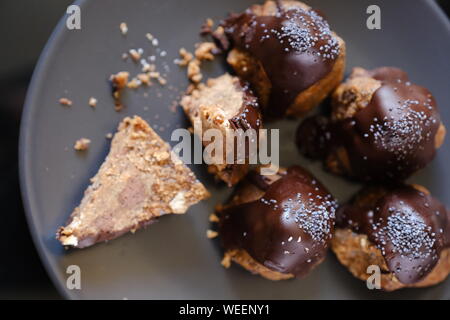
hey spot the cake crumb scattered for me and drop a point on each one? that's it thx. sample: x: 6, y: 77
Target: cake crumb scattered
x: 226, y: 261
x: 211, y: 234
x: 193, y: 71
x: 109, y: 135
x: 118, y: 82
x: 205, y: 51
x: 186, y: 57
x: 92, y: 102
x: 123, y: 28
x: 144, y: 78
x: 65, y: 102
x: 213, y: 218
x: 134, y: 83
x: 135, y: 54
x: 82, y: 144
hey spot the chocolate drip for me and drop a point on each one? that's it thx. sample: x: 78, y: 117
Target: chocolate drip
x: 288, y: 229
x: 391, y: 138
x: 295, y: 47
x: 409, y: 227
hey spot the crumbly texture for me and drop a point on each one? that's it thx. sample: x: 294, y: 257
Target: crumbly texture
x: 356, y: 252
x: 140, y: 180
x: 194, y: 72
x: 248, y: 67
x: 65, y: 102
x: 354, y: 94
x: 242, y: 258
x: 350, y: 97
x: 82, y: 144
x: 205, y: 51
x: 92, y: 102
x: 211, y: 106
x: 118, y: 82
x: 186, y: 57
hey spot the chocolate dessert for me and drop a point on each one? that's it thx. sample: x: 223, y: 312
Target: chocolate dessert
x: 278, y: 226
x: 401, y: 229
x: 288, y: 53
x: 140, y: 180
x: 382, y: 127
x: 226, y: 104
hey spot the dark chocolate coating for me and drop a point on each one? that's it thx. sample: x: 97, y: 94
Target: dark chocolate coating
x: 409, y: 227
x: 249, y: 115
x: 288, y: 229
x: 295, y: 47
x: 389, y: 139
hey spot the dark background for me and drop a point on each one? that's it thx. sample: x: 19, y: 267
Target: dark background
x: 25, y: 27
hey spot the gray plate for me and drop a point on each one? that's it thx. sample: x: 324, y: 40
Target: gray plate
x: 173, y: 259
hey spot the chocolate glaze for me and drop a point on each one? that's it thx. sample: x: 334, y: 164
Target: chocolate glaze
x: 295, y: 47
x: 389, y: 139
x: 409, y: 227
x: 288, y: 229
x: 249, y: 115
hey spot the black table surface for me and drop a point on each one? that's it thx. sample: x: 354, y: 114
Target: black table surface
x: 22, y: 275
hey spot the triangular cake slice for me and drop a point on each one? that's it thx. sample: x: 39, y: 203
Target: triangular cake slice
x: 140, y: 180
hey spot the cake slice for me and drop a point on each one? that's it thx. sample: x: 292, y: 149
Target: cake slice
x: 140, y: 180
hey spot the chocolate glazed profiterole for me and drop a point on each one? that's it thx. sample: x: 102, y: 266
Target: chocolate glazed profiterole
x: 278, y: 226
x: 382, y: 127
x: 288, y: 53
x: 402, y: 229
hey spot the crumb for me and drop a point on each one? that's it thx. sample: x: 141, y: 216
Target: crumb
x: 213, y: 218
x: 118, y: 82
x: 82, y: 144
x: 148, y: 67
x: 135, y: 54
x: 186, y: 57
x: 149, y: 36
x: 124, y: 56
x: 162, y: 81
x: 193, y: 71
x: 211, y: 234
x: 123, y: 28
x: 226, y: 261
x: 65, y: 102
x: 109, y: 135
x: 92, y: 102
x: 205, y: 51
x: 134, y: 83
x: 206, y: 27
x: 144, y: 78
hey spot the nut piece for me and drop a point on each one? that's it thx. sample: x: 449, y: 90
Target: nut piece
x: 178, y: 204
x: 82, y: 144
x: 123, y: 28
x: 92, y: 102
x: 65, y: 102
